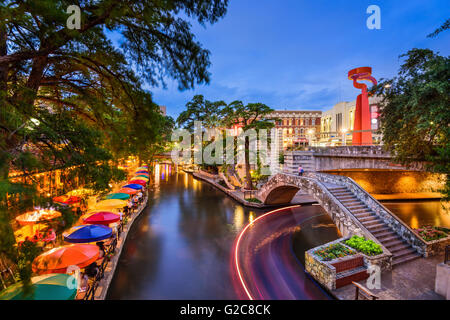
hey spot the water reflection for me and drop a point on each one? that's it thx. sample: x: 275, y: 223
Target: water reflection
x: 421, y: 213
x: 181, y: 245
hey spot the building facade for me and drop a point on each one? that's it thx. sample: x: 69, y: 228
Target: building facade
x: 297, y: 128
x: 337, y: 123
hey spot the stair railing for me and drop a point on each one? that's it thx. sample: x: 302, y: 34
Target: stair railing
x: 360, y: 290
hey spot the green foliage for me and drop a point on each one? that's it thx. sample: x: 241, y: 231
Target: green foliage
x: 28, y: 251
x: 333, y: 251
x: 367, y: 247
x: 72, y: 100
x: 415, y: 113
x: 200, y: 109
x: 254, y: 200
x: 281, y: 158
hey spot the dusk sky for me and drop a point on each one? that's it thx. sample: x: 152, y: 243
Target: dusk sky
x: 295, y: 54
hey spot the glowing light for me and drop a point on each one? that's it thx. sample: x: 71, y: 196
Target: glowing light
x: 236, y: 248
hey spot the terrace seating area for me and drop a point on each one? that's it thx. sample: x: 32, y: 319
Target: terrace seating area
x: 83, y: 253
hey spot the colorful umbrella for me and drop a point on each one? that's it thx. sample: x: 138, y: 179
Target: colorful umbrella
x: 57, y: 260
x: 143, y: 175
x: 82, y: 192
x: 87, y: 233
x: 133, y: 186
x: 119, y: 195
x: 46, y: 287
x: 142, y: 171
x: 128, y: 191
x: 110, y: 204
x: 67, y: 199
x: 101, y: 217
x: 141, y: 182
x: 140, y: 178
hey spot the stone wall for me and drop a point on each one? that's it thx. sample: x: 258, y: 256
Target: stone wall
x: 436, y: 247
x: 345, y: 157
x: 401, y: 228
x: 325, y: 273
x: 394, y: 181
x: 321, y: 271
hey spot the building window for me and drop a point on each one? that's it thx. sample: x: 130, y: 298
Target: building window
x: 338, y: 122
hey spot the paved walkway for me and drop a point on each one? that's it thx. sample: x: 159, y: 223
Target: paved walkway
x: 413, y: 280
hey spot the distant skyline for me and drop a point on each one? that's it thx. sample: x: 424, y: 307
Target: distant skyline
x: 295, y: 54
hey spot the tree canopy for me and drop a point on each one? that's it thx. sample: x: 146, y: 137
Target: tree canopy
x: 415, y: 113
x: 73, y: 98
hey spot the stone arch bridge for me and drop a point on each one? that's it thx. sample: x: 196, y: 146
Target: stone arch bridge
x: 353, y: 210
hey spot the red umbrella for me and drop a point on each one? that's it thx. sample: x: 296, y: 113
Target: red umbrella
x: 141, y: 182
x: 67, y: 199
x: 101, y: 217
x: 59, y: 259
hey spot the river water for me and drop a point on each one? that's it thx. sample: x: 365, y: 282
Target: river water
x: 181, y: 246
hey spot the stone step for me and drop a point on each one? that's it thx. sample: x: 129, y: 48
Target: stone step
x: 385, y: 234
x: 347, y: 197
x: 363, y: 210
x: 406, y: 258
x: 392, y: 243
x: 376, y: 227
x: 359, y: 206
x: 387, y: 240
x: 381, y: 230
x: 399, y: 247
x: 373, y: 222
x: 338, y: 188
x: 368, y: 218
x: 364, y: 214
x: 338, y: 195
x: 350, y: 201
x: 402, y: 253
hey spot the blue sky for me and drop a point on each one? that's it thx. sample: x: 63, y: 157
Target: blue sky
x: 295, y: 54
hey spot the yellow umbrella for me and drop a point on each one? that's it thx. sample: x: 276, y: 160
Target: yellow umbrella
x: 110, y: 204
x: 140, y: 178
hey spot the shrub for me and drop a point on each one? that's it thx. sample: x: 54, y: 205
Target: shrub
x: 429, y: 233
x: 367, y: 247
x: 333, y: 251
x: 254, y: 200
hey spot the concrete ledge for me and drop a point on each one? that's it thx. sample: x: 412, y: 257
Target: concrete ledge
x: 442, y: 284
x: 102, y: 289
x: 231, y: 193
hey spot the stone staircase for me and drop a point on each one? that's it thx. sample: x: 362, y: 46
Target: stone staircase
x: 400, y: 249
x: 305, y: 159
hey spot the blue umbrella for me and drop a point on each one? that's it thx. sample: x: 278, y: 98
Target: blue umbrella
x: 133, y: 186
x: 87, y: 233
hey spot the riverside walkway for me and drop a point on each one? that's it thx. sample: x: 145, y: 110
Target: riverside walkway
x: 102, y: 286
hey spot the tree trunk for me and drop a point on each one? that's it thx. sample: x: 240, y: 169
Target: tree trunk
x: 248, y: 176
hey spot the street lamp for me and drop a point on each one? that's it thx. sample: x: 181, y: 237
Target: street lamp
x: 343, y: 131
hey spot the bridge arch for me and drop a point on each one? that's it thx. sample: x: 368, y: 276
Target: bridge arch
x: 281, y: 194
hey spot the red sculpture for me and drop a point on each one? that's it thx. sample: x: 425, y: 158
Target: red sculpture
x: 362, y: 134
